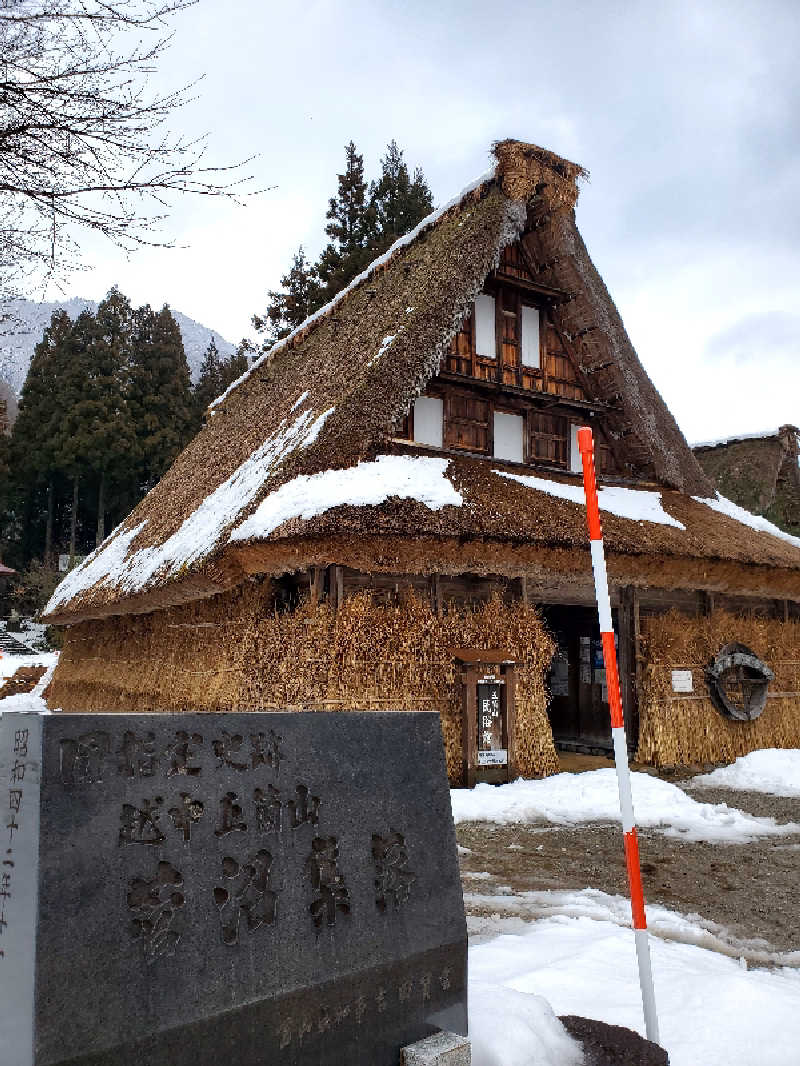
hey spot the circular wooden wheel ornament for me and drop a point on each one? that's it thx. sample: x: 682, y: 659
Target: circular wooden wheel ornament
x: 737, y: 682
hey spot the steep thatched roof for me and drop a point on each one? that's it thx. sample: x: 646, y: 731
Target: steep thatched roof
x: 758, y: 471
x: 332, y: 394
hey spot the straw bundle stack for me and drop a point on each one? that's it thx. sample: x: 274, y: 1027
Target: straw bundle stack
x: 678, y: 730
x: 235, y: 652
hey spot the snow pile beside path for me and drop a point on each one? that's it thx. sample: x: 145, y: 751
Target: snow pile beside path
x: 773, y: 770
x: 404, y: 476
x: 754, y: 521
x: 31, y: 702
x: 9, y: 664
x: 571, y: 799
x: 639, y: 505
x: 508, y: 1028
x: 711, y: 1008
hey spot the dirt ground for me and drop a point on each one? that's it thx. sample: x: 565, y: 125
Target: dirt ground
x: 751, y: 889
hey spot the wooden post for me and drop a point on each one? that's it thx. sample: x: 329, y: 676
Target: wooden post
x: 339, y: 587
x: 316, y: 581
x: 470, y: 725
x: 499, y: 330
x: 627, y: 661
x: 509, y: 672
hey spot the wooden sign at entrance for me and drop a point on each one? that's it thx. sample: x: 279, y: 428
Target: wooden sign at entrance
x: 488, y: 718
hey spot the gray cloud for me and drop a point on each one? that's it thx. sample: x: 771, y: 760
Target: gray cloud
x: 767, y: 337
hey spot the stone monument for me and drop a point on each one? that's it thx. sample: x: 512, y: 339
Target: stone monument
x: 232, y: 889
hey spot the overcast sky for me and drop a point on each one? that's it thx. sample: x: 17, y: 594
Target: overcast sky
x: 687, y: 115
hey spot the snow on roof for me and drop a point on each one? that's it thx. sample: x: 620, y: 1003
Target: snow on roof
x: 367, y: 484
x: 639, y: 505
x: 754, y: 521
x: 376, y: 264
x: 765, y: 434
x: 199, y: 533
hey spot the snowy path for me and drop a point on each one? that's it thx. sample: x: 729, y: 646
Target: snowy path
x: 724, y: 936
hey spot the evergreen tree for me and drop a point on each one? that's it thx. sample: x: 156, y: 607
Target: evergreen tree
x: 159, y: 396
x: 286, y: 310
x: 398, y: 203
x: 351, y: 227
x: 32, y: 454
x: 96, y: 437
x: 235, y: 366
x: 209, y: 382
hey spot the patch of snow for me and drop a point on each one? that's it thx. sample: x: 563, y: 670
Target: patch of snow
x: 587, y: 966
x: 401, y: 242
x: 503, y: 911
x: 592, y: 796
x: 754, y: 521
x: 386, y: 343
x: 33, y: 701
x: 199, y: 533
x: 9, y: 664
x: 103, y: 563
x: 763, y: 435
x: 510, y: 1028
x: 639, y: 505
x: 367, y: 484
x: 773, y: 770
x: 300, y: 399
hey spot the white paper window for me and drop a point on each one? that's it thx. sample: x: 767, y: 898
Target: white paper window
x: 485, y: 335
x: 508, y: 433
x: 428, y: 420
x: 530, y: 336
x: 575, y: 464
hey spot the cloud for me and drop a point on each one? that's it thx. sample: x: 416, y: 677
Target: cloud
x: 767, y: 337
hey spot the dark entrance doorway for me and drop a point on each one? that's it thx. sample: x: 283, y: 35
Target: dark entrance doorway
x: 579, y: 711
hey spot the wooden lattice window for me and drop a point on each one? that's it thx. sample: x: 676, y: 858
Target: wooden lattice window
x: 549, y: 438
x: 466, y: 422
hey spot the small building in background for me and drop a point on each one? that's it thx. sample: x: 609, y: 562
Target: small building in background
x: 759, y: 471
x: 385, y: 512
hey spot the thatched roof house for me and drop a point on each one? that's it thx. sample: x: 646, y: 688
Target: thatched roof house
x: 759, y: 471
x: 416, y: 436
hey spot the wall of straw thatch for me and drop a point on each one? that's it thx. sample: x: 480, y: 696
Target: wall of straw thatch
x: 687, y: 730
x: 234, y: 652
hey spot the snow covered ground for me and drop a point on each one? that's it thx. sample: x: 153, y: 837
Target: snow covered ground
x: 772, y: 770
x: 569, y: 799
x: 712, y: 1008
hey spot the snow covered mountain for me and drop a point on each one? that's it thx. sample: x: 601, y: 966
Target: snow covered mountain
x: 23, y: 322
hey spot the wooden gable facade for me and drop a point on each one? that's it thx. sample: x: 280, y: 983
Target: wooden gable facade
x: 510, y: 359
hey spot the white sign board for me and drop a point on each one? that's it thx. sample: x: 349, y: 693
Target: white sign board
x: 682, y: 681
x: 499, y: 757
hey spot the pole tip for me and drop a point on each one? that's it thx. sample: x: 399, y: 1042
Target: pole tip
x: 585, y: 443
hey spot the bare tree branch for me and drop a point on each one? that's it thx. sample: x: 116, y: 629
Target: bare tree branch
x: 84, y: 142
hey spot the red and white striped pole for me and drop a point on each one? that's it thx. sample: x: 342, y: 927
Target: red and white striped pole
x: 586, y: 445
